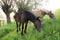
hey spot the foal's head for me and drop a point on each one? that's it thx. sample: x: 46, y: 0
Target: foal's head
x: 37, y: 24
x: 51, y: 15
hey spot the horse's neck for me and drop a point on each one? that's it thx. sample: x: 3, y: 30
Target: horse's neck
x: 41, y: 13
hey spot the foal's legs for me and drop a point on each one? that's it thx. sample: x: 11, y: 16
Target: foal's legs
x: 25, y: 27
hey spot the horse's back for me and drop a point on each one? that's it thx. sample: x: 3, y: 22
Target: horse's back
x: 38, y: 13
x: 30, y: 15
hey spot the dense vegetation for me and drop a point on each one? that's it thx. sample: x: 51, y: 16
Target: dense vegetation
x: 50, y: 30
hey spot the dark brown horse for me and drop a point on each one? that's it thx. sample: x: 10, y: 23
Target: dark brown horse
x: 41, y: 13
x: 22, y: 17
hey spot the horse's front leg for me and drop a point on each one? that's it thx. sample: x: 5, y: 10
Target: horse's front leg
x: 22, y: 29
x: 17, y: 26
x: 25, y: 27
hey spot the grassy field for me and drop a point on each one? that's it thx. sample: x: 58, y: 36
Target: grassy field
x: 50, y: 30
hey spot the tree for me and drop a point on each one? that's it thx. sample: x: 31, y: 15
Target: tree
x: 6, y: 8
x: 26, y: 4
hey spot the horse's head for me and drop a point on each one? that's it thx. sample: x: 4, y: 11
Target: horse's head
x: 51, y: 15
x: 37, y: 24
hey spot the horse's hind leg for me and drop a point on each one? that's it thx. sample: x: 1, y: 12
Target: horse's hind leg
x: 17, y: 26
x: 25, y: 27
x: 22, y: 29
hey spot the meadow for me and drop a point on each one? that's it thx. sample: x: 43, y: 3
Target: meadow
x: 50, y: 30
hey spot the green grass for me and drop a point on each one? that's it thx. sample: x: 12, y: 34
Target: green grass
x: 50, y: 30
